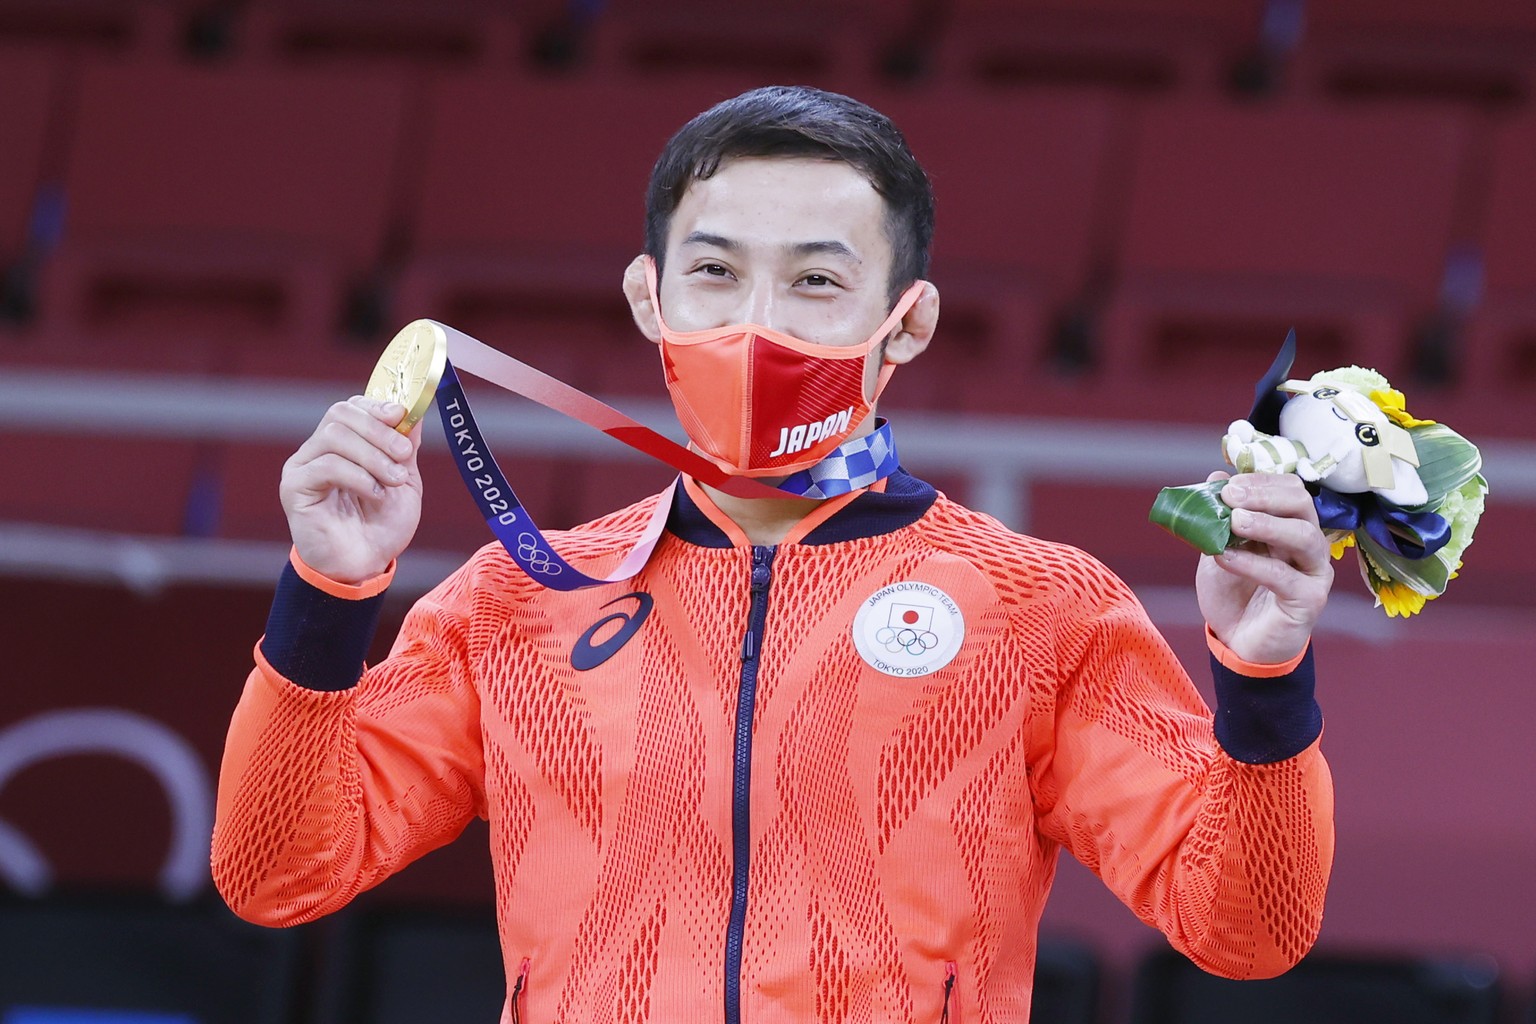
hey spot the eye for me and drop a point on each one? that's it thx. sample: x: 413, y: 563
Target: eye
x: 817, y: 280
x: 714, y: 270
x: 1367, y: 435
x: 1325, y: 393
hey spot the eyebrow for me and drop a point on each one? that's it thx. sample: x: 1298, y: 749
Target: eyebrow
x: 829, y: 247
x: 714, y: 241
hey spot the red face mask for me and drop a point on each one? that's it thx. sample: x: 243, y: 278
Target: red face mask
x: 759, y: 402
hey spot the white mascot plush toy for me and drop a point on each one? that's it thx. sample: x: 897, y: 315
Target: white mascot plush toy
x: 1331, y: 433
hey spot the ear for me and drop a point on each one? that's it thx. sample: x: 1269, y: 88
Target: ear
x: 641, y: 306
x: 916, y: 328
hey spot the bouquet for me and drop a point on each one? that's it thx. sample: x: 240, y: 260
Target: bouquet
x: 1405, y: 493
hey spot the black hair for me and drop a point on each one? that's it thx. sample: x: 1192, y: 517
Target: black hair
x: 800, y: 121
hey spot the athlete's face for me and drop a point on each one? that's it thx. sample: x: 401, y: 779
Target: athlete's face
x: 797, y: 245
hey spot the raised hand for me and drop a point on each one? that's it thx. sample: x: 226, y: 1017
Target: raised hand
x: 352, y: 491
x: 1262, y: 597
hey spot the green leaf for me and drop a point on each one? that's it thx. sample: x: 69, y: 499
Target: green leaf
x: 1195, y: 513
x: 1426, y: 575
x: 1446, y: 460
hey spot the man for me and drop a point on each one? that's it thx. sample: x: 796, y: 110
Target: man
x: 816, y: 760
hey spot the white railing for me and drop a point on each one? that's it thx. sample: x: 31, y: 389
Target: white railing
x: 999, y: 458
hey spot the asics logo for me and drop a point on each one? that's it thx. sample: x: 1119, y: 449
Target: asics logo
x: 534, y: 557
x: 586, y: 655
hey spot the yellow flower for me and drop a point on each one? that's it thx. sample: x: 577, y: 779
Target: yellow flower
x: 1392, y: 403
x: 1343, y: 544
x: 1400, y: 599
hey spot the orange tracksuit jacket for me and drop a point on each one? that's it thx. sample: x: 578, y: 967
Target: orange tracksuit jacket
x: 705, y: 801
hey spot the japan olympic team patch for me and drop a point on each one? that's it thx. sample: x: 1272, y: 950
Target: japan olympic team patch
x: 908, y: 629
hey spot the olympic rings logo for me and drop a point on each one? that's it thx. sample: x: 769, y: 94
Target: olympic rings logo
x: 534, y: 557
x: 907, y: 639
x: 908, y: 628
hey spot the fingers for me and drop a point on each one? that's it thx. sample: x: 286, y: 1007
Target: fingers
x: 1287, y: 580
x: 1275, y: 515
x: 355, y: 448
x: 1279, y: 494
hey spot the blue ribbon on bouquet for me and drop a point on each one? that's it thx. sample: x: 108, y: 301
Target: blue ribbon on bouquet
x: 1409, y: 534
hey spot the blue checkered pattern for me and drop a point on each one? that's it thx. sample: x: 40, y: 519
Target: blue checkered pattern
x: 855, y: 464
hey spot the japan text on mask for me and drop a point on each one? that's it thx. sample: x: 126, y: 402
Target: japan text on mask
x: 759, y: 402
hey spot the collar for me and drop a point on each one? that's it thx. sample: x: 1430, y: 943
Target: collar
x: 869, y: 514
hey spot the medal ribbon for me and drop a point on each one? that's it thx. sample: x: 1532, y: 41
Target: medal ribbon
x: 858, y: 463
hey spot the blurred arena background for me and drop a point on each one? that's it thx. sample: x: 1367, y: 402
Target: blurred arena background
x: 213, y: 215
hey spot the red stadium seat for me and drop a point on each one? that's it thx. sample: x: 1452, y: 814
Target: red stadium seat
x: 138, y: 485
x: 1479, y: 52
x: 1424, y: 19
x: 1137, y: 45
x: 238, y: 490
x: 531, y: 202
x: 222, y: 203
x: 1018, y: 181
x: 346, y: 367
x: 172, y: 356
x: 1509, y: 219
x: 1020, y: 186
x: 812, y: 41
x: 96, y: 26
x: 400, y: 33
x: 1500, y: 351
x: 553, y: 169
x: 624, y: 363
x: 28, y: 81
x: 1242, y: 222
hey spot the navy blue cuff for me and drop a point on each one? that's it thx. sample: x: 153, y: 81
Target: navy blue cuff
x: 318, y: 641
x: 1261, y: 721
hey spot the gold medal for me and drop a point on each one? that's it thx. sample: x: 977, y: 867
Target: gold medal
x: 409, y: 370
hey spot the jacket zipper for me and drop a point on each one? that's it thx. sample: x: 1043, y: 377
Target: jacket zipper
x: 741, y: 777
x: 517, y: 991
x: 951, y: 975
